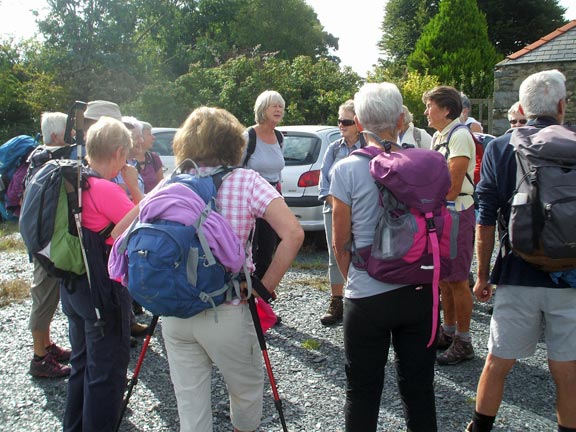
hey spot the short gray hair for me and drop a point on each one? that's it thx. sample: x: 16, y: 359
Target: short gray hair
x: 408, y: 117
x: 378, y: 106
x: 146, y: 126
x: 263, y: 101
x: 52, y: 123
x: 515, y: 109
x: 347, y: 106
x: 541, y: 92
x: 465, y: 101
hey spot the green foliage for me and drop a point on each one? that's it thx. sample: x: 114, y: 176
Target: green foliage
x: 402, y: 26
x: 312, y: 90
x: 412, y: 90
x: 310, y: 344
x: 454, y: 46
x: 514, y: 24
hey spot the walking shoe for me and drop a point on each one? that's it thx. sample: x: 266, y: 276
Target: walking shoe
x: 48, y: 367
x: 137, y: 329
x: 459, y: 351
x: 61, y: 355
x: 334, y: 312
x: 444, y: 339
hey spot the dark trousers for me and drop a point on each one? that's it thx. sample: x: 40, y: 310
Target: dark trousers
x: 263, y: 246
x: 99, y: 359
x: 402, y: 317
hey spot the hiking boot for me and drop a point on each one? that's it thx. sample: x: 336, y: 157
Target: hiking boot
x: 444, y: 339
x: 458, y: 352
x: 48, y: 367
x: 138, y: 329
x: 61, y: 355
x: 334, y: 312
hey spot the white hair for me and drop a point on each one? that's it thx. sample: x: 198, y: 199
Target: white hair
x: 541, y: 92
x: 378, y: 106
x: 52, y: 123
x: 263, y: 101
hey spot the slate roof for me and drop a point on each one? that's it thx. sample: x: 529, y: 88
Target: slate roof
x: 558, y: 46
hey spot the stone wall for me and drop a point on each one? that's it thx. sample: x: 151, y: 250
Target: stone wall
x: 507, y: 80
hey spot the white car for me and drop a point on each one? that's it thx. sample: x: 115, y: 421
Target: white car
x: 163, y: 146
x: 303, y: 147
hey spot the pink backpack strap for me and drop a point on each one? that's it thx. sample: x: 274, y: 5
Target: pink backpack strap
x: 433, y: 236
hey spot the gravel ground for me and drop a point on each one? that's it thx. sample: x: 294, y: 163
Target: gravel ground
x: 310, y: 376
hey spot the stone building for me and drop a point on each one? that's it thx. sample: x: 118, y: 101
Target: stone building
x: 554, y: 51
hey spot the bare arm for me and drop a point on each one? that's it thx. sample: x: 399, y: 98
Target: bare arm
x: 341, y: 234
x: 125, y: 222
x: 283, y: 221
x: 484, y: 248
x: 130, y: 177
x: 458, y: 166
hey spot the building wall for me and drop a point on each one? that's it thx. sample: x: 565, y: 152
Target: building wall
x: 507, y: 80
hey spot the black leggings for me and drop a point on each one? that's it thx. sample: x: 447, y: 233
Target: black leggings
x: 402, y: 317
x: 263, y: 246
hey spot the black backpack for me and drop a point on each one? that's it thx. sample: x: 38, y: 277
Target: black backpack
x: 541, y: 227
x: 252, y: 143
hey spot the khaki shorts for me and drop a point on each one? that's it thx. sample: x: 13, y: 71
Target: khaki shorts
x: 520, y: 315
x: 45, y: 292
x: 194, y: 344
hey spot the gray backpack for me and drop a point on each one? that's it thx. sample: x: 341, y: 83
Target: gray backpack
x: 542, y: 222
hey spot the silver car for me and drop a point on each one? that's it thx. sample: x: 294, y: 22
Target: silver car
x: 304, y: 148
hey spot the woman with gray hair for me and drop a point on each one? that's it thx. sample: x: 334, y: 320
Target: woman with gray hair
x: 516, y: 116
x: 264, y: 155
x: 411, y: 135
x: 335, y: 152
x: 378, y: 314
x: 100, y: 344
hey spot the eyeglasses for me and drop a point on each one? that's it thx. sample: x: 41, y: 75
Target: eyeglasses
x: 521, y: 121
x: 346, y: 122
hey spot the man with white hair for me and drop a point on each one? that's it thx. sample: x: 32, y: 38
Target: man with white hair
x: 528, y: 298
x: 49, y: 360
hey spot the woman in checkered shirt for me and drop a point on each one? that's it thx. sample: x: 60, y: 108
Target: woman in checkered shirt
x: 212, y: 137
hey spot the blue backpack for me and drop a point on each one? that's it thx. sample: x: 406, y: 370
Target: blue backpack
x: 172, y: 270
x: 13, y: 153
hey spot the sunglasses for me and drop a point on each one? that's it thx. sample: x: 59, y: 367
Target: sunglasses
x: 346, y: 122
x: 521, y: 121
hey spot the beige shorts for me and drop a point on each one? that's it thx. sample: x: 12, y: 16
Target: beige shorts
x: 45, y: 292
x: 194, y: 344
x: 520, y: 314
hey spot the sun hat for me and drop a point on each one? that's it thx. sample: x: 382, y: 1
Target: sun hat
x: 100, y: 108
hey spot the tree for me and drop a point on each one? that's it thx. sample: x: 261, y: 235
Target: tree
x: 402, y: 26
x: 89, y: 48
x: 455, y: 47
x: 516, y: 23
x: 313, y: 90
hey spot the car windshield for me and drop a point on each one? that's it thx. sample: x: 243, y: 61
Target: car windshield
x: 301, y: 150
x: 163, y: 143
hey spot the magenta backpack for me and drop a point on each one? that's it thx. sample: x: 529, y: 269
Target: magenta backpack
x: 415, y: 238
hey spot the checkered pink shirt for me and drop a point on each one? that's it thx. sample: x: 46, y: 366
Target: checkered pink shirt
x: 244, y: 196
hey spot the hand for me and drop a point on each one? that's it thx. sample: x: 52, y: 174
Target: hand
x: 130, y: 176
x: 483, y: 290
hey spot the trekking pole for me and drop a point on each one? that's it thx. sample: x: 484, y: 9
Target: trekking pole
x: 134, y: 380
x: 262, y: 341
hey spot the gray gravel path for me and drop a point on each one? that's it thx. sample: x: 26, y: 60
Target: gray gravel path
x: 311, y: 381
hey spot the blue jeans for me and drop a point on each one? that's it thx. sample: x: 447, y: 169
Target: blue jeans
x: 99, y: 358
x: 402, y: 317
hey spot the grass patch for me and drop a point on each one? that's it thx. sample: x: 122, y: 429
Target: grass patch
x: 320, y: 284
x: 10, y: 238
x: 310, y: 344
x: 13, y: 290
x: 317, y: 264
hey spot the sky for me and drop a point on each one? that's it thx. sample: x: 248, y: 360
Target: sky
x: 355, y: 23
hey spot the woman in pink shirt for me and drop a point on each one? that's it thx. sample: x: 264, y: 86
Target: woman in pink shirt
x: 98, y: 309
x: 213, y: 137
